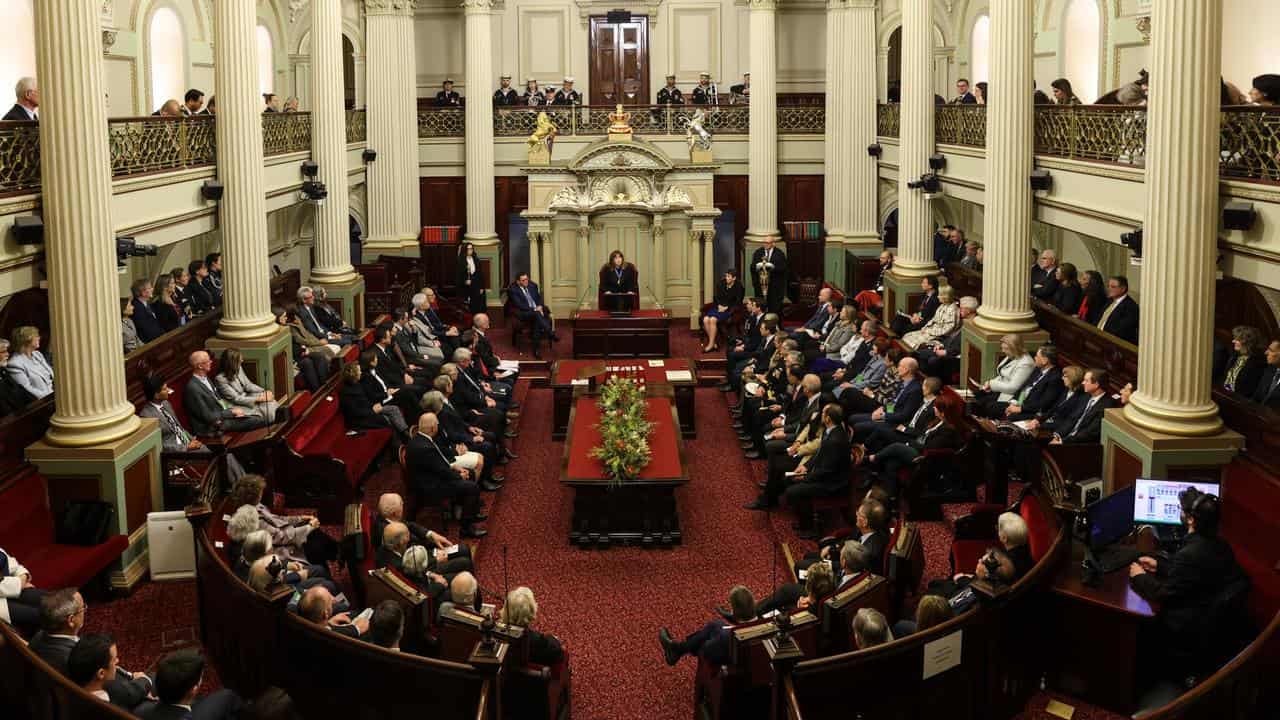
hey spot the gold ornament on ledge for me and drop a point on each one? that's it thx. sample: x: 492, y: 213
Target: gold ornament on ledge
x: 619, y: 124
x: 541, y: 141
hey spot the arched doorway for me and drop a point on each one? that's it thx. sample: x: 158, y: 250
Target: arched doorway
x: 894, y: 66
x: 348, y: 73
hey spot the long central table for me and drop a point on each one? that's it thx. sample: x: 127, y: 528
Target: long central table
x: 642, y: 334
x: 642, y: 510
x: 567, y: 376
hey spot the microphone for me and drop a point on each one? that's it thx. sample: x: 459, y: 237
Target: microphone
x: 656, y: 304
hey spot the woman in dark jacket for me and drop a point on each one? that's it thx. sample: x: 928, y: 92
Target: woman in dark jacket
x: 1068, y: 295
x: 470, y: 282
x: 166, y: 307
x: 313, y: 366
x: 1094, y: 301
x: 362, y: 413
x: 1244, y: 367
x: 945, y: 433
x: 728, y: 297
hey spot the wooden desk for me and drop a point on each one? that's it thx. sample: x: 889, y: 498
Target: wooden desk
x: 643, y: 334
x: 1095, y: 653
x: 564, y: 372
x: 642, y: 510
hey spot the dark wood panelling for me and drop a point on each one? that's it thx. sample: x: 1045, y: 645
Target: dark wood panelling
x: 443, y: 201
x: 137, y: 491
x: 619, y: 55
x: 800, y: 200
x: 510, y: 195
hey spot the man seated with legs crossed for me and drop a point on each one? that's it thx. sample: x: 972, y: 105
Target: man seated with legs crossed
x: 712, y: 640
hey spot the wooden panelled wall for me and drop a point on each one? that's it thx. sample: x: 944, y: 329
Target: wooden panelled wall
x: 443, y: 201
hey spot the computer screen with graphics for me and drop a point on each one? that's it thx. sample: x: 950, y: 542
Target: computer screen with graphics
x: 1156, y: 501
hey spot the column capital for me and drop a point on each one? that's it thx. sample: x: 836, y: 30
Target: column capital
x: 471, y: 7
x: 762, y: 5
x: 852, y: 4
x: 389, y: 7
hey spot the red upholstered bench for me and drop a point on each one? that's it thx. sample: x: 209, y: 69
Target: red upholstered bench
x: 27, y: 533
x: 320, y: 465
x: 977, y: 531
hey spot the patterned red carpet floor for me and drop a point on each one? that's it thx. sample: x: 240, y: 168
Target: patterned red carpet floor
x: 605, y: 605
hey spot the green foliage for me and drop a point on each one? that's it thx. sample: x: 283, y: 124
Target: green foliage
x: 624, y: 429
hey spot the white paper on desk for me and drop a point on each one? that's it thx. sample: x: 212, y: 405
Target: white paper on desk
x: 964, y: 393
x: 451, y: 549
x: 1023, y: 424
x: 802, y: 574
x: 751, y: 387
x: 512, y: 365
x: 580, y: 381
x: 657, y: 363
x: 942, y: 654
x: 680, y: 376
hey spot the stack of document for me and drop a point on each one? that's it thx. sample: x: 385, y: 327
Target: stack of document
x: 679, y: 376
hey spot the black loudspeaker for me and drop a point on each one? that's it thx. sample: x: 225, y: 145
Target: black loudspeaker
x: 28, y: 230
x: 615, y: 17
x: 1041, y: 180
x: 1238, y: 215
x: 211, y: 190
x: 369, y: 155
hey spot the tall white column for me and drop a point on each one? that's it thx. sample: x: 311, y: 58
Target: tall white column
x: 329, y: 144
x: 242, y: 212
x: 762, y: 164
x: 76, y: 174
x: 480, y: 210
x: 391, y: 83
x: 850, y: 183
x: 915, y: 225
x: 409, y: 221
x: 1006, y: 303
x: 1179, y: 246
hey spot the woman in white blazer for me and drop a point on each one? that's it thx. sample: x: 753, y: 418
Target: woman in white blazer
x: 944, y: 320
x: 235, y: 387
x: 19, y: 600
x: 1013, y: 370
x: 27, y: 365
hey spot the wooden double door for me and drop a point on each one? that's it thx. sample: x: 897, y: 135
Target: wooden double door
x: 619, y: 61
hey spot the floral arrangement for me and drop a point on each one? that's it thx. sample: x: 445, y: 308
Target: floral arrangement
x: 624, y: 431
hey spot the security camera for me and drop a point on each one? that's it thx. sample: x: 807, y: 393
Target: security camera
x: 314, y: 192
x: 310, y: 169
x: 929, y: 183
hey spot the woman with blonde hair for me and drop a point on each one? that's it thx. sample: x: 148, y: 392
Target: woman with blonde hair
x: 1015, y: 366
x: 521, y: 610
x: 165, y: 306
x: 27, y: 366
x: 931, y: 610
x: 296, y: 538
x: 943, y: 322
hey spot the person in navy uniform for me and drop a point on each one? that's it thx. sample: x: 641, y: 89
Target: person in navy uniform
x: 505, y: 95
x: 567, y: 95
x: 670, y: 94
x: 705, y: 92
x: 532, y: 95
x: 742, y: 92
x: 448, y: 97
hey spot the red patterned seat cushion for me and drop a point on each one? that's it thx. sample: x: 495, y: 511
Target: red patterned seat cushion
x: 322, y: 433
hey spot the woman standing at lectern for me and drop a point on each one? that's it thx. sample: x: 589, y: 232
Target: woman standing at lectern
x: 619, y: 276
x: 729, y: 294
x: 470, y: 284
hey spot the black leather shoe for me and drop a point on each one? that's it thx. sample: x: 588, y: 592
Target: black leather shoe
x: 511, y: 434
x: 487, y: 486
x: 471, y: 531
x: 513, y: 405
x: 753, y: 455
x: 724, y: 387
x: 747, y: 444
x: 757, y: 504
x: 668, y: 646
x: 510, y: 455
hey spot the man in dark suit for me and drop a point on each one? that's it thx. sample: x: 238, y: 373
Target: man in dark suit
x: 1040, y: 391
x: 62, y: 616
x: 900, y: 411
x: 193, y: 103
x: 197, y: 293
x: 771, y: 262
x: 903, y: 324
x: 826, y: 474
x: 820, y: 322
x: 328, y: 315
x: 395, y: 368
x: 1121, y: 316
x: 178, y: 678
x: 208, y: 412
x: 431, y: 474
x: 1086, y: 425
x: 448, y: 97
x: 711, y: 642
x: 391, y: 510
x: 885, y: 435
x: 963, y: 96
x: 527, y: 302
x: 742, y: 349
x: 1044, y: 276
x: 144, y: 318
x: 213, y: 267
x: 1268, y: 392
x: 1198, y: 590
x: 310, y: 315
x: 28, y: 96
x: 500, y: 381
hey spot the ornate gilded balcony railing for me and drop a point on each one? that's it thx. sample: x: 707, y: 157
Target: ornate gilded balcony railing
x: 1101, y: 133
x: 887, y: 119
x: 154, y: 144
x: 961, y: 125
x: 589, y: 120
x: 285, y: 133
x: 19, y: 157
x: 442, y: 122
x: 1251, y: 143
x: 802, y: 119
x: 357, y: 129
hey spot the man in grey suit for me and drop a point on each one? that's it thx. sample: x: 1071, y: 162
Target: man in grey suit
x: 62, y: 614
x: 209, y: 413
x: 174, y: 437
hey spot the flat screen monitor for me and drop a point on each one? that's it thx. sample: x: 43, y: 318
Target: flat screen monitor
x: 1110, y: 518
x: 1155, y: 502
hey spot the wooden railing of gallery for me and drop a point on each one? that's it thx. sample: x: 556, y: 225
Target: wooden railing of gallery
x: 152, y: 144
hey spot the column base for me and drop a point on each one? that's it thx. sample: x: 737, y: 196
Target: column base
x: 388, y: 245
x: 268, y: 361
x: 901, y: 292
x: 125, y: 473
x: 980, y: 351
x: 346, y: 296
x: 1130, y: 451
